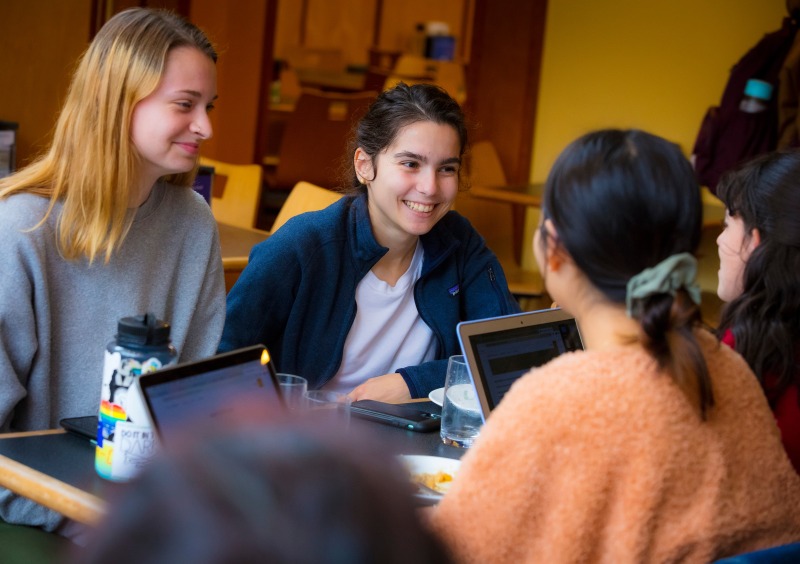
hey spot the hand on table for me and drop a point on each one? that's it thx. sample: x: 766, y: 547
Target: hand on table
x: 390, y: 388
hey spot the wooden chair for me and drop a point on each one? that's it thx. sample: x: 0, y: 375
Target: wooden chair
x: 238, y: 203
x: 313, y: 144
x: 493, y: 220
x: 304, y: 197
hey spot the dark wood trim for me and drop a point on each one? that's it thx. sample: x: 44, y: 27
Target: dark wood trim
x: 303, y: 22
x: 503, y: 79
x: 267, y: 76
x: 376, y: 26
x: 537, y: 20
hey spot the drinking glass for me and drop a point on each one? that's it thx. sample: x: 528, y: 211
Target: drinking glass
x: 293, y: 390
x: 329, y: 407
x: 461, y: 414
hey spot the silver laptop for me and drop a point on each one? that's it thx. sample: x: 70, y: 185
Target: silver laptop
x: 209, y: 390
x: 501, y: 349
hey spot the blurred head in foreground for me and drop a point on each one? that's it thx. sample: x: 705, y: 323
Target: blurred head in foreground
x: 266, y: 493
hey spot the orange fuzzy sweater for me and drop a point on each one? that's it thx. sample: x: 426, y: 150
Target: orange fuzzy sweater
x: 599, y: 457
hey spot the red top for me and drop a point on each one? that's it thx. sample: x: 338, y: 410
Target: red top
x: 786, y: 411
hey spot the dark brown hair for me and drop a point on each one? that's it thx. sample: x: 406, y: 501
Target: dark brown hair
x: 393, y: 110
x: 765, y: 318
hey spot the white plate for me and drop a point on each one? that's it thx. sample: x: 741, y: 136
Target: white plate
x: 437, y: 396
x: 418, y: 464
x: 463, y: 395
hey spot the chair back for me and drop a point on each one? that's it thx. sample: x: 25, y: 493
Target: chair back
x: 375, y: 78
x: 315, y: 138
x: 238, y: 203
x: 414, y: 66
x: 304, y: 197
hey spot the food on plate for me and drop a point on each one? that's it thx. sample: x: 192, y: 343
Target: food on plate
x: 439, y: 481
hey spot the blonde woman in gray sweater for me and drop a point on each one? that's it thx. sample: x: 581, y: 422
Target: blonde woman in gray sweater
x: 105, y: 225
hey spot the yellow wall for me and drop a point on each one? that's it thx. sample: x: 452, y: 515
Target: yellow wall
x: 643, y: 64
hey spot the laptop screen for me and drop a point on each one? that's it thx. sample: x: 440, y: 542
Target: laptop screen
x: 209, y: 389
x: 500, y: 350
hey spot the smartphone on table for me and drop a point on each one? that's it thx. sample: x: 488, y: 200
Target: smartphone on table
x: 396, y: 415
x: 82, y: 426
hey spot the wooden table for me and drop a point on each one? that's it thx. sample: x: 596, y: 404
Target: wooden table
x: 56, y: 469
x: 235, y: 244
x: 331, y: 80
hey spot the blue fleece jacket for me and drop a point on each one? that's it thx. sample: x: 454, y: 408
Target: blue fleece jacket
x: 297, y: 294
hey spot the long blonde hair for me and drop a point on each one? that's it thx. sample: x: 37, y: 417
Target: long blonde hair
x: 91, y: 165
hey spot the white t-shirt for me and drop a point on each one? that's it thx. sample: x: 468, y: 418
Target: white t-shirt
x: 387, y: 333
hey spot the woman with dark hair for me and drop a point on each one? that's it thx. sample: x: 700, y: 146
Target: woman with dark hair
x: 266, y: 493
x: 654, y: 444
x: 364, y: 296
x: 759, y: 277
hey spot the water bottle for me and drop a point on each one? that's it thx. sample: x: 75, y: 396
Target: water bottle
x: 125, y: 438
x: 757, y: 94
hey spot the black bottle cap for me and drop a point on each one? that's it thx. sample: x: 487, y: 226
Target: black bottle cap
x: 142, y: 331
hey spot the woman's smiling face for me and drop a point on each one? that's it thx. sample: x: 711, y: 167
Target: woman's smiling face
x: 735, y: 245
x: 413, y: 182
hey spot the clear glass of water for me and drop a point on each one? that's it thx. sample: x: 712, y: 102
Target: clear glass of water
x: 461, y: 414
x: 293, y: 390
x: 330, y: 408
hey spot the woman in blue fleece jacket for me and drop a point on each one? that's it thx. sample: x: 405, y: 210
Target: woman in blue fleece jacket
x: 364, y: 296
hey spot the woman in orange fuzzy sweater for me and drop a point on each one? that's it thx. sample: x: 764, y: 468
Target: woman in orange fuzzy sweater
x: 653, y: 444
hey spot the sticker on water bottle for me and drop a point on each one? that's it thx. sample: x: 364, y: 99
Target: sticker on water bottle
x: 134, y: 446
x: 125, y: 440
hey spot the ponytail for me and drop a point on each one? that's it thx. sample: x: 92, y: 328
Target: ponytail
x: 665, y: 301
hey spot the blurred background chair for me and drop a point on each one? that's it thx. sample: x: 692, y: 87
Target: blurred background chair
x: 312, y: 147
x: 236, y: 192
x: 415, y: 66
x: 493, y: 220
x: 304, y: 197
x: 413, y: 69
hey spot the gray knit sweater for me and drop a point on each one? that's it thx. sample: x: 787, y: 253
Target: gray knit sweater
x: 57, y: 316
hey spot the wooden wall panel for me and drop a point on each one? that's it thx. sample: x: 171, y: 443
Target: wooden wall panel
x: 345, y: 25
x: 503, y: 78
x: 39, y: 46
x: 237, y: 30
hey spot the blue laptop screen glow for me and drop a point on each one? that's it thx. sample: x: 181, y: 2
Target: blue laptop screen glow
x: 504, y: 356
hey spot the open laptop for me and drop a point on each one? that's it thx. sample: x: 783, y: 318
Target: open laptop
x: 209, y: 389
x: 499, y: 350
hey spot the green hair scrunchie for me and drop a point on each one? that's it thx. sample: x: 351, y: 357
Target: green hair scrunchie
x: 667, y: 277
